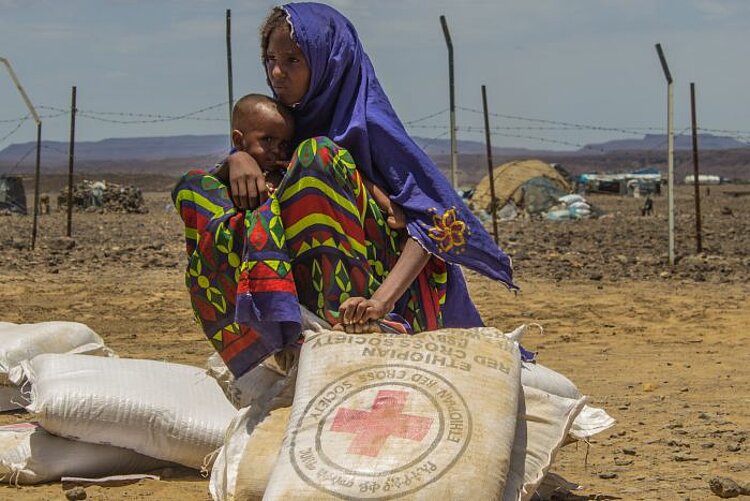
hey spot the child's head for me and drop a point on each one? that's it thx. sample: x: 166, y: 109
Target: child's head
x: 263, y: 128
x: 287, y: 69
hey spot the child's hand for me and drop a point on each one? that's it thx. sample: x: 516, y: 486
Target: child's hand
x: 246, y: 181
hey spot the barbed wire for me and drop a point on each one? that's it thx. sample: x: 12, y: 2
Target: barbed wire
x: 143, y: 118
x: 571, y: 125
x: 431, y: 140
x: 426, y: 117
x: 23, y: 157
x: 475, y: 130
x: 127, y: 118
x: 13, y: 131
x: 14, y: 120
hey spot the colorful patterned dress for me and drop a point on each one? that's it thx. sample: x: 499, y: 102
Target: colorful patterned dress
x: 318, y: 240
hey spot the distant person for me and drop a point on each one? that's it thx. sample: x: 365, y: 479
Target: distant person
x: 44, y: 204
x: 96, y: 197
x: 648, y: 206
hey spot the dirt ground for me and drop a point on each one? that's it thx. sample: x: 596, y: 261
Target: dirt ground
x: 663, y: 349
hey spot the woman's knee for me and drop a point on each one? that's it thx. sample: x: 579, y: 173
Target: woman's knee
x: 321, y: 156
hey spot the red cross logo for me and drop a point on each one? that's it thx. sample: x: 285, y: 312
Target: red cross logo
x: 372, y: 428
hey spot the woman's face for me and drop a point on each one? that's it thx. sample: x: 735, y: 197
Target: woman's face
x: 286, y: 67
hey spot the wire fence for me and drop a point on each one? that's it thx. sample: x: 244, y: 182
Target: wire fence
x: 513, y: 127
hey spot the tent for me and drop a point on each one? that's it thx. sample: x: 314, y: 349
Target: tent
x: 12, y: 195
x: 531, y: 185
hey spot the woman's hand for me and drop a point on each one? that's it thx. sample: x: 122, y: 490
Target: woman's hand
x: 246, y: 181
x: 357, y: 314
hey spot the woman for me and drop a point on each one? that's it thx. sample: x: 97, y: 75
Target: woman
x: 316, y: 65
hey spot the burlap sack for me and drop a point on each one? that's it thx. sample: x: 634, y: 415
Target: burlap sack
x: 430, y: 416
x: 251, y: 445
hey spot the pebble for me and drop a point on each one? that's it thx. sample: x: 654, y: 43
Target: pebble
x: 61, y: 243
x: 607, y: 475
x: 725, y: 487
x: 76, y: 493
x: 629, y: 452
x: 734, y: 448
x: 623, y: 462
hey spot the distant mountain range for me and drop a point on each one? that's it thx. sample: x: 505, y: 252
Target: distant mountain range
x: 172, y: 154
x: 215, y: 146
x: 659, y: 141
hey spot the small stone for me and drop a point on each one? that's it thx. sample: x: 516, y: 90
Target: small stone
x: 62, y: 243
x: 629, y: 452
x: 76, y: 493
x: 724, y: 487
x: 707, y: 445
x: 623, y: 462
x: 734, y: 448
x: 607, y: 475
x: 682, y: 458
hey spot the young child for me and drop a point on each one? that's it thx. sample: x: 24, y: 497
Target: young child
x: 263, y: 128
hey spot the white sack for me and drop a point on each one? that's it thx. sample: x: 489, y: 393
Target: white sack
x: 30, y: 455
x: 543, y: 423
x: 429, y: 416
x: 19, y: 342
x: 167, y: 411
x: 537, y: 376
x: 589, y: 422
x: 252, y: 444
x: 580, y: 206
x: 571, y: 199
x: 255, y: 383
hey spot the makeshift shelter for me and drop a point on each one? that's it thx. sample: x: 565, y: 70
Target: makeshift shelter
x: 530, y: 185
x: 12, y: 195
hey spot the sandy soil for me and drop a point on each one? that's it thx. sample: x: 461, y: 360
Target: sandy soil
x: 663, y: 349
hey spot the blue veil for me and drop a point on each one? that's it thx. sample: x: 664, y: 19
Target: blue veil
x: 346, y: 103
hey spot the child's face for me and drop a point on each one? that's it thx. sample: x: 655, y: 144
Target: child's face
x: 286, y: 67
x: 267, y: 139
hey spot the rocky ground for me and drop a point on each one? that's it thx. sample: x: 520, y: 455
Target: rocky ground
x: 663, y: 349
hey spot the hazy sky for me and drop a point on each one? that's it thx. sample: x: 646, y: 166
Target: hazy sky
x: 557, y: 62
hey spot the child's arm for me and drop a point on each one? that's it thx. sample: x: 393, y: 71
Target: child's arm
x: 241, y: 173
x: 395, y: 215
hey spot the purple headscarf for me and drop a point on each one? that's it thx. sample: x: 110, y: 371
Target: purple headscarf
x: 346, y: 103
